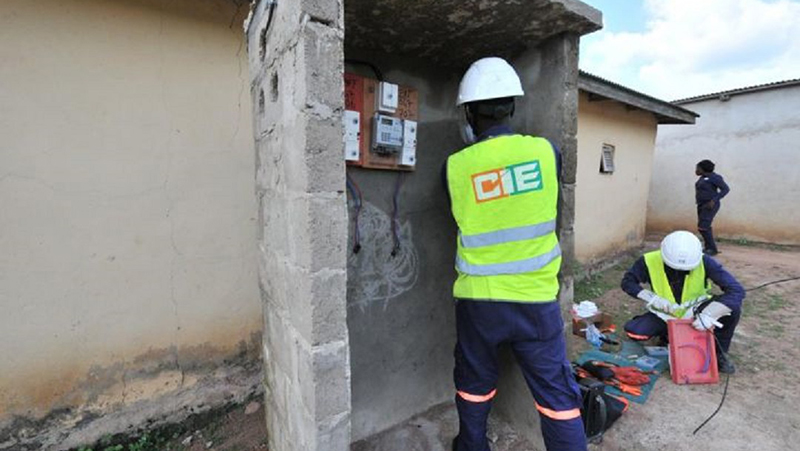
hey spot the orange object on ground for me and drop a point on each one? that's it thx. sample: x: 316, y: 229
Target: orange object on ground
x: 692, y: 354
x: 629, y: 375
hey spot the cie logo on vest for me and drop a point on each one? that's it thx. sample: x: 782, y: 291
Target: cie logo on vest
x: 508, y: 181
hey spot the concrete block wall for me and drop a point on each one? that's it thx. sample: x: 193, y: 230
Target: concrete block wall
x: 296, y: 61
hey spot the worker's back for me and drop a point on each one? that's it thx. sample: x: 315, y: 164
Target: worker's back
x: 504, y: 193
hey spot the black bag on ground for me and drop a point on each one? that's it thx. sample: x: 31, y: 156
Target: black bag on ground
x: 600, y: 410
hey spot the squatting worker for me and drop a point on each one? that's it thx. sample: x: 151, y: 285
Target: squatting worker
x: 680, y: 278
x: 709, y: 189
x: 504, y: 190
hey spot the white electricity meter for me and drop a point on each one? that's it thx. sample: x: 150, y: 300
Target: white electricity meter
x: 387, y: 134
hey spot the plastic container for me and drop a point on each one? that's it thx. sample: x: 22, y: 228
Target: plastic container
x: 692, y: 354
x: 647, y: 363
x: 657, y: 351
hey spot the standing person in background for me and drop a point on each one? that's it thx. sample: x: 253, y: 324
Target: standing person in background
x: 709, y: 189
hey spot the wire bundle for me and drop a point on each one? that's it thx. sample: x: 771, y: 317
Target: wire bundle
x: 355, y: 194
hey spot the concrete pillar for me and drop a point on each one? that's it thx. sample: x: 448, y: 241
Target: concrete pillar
x: 549, y: 109
x: 296, y: 64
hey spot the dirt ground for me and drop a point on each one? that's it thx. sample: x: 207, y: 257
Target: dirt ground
x: 761, y: 407
x: 760, y: 410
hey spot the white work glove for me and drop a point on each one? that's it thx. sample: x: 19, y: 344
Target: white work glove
x: 710, y: 315
x: 705, y: 322
x: 655, y: 301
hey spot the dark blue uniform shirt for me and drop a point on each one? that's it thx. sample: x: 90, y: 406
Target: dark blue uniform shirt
x: 710, y: 187
x: 499, y: 130
x: 733, y: 293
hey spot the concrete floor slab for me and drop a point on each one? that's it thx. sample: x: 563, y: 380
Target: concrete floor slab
x: 434, y: 431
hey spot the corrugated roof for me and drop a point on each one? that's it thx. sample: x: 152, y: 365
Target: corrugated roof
x: 754, y: 88
x: 666, y: 112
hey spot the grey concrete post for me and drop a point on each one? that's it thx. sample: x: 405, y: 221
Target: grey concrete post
x: 296, y: 64
x: 549, y: 109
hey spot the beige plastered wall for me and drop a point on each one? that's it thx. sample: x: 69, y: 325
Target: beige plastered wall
x: 754, y: 140
x: 610, y: 209
x: 127, y: 221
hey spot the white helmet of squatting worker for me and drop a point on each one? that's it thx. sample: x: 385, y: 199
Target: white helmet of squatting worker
x: 681, y: 250
x: 489, y: 78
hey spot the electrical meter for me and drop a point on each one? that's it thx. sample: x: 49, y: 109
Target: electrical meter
x: 380, y: 124
x: 387, y: 134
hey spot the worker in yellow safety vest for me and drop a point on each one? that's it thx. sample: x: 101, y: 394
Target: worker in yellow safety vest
x: 680, y: 279
x: 503, y: 189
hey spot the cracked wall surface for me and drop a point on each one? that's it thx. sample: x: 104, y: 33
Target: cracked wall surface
x: 296, y: 64
x: 127, y: 265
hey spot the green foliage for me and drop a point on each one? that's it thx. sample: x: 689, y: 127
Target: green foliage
x: 145, y: 442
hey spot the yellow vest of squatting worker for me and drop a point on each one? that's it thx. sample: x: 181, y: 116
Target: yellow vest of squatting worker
x: 504, y: 194
x: 694, y: 286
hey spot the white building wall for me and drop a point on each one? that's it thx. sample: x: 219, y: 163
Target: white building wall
x: 754, y: 139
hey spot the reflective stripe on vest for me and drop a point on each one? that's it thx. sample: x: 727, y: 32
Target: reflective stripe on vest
x: 694, y: 285
x: 508, y: 235
x: 504, y: 198
x: 521, y: 266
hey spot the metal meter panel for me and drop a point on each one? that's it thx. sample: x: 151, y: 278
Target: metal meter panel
x: 385, y: 140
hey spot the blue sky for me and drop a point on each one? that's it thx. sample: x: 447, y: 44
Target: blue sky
x: 679, y: 48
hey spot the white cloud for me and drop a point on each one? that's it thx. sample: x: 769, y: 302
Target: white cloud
x: 692, y: 47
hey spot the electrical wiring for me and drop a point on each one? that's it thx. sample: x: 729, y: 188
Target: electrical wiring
x: 772, y: 283
x: 727, y: 377
x: 355, y: 194
x: 396, y: 212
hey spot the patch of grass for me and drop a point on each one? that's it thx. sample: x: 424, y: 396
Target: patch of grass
x: 145, y: 442
x: 741, y: 241
x: 593, y: 287
x: 763, y: 304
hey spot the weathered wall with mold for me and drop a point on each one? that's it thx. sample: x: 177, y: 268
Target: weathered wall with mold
x: 400, y: 309
x: 753, y: 139
x: 127, y: 265
x: 296, y: 63
x: 611, y: 209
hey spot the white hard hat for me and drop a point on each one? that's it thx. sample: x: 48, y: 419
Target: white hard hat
x: 681, y: 250
x: 489, y: 78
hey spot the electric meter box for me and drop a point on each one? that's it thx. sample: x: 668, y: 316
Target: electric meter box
x: 387, y: 121
x: 387, y: 134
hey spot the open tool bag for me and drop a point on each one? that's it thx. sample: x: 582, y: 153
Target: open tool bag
x: 600, y: 410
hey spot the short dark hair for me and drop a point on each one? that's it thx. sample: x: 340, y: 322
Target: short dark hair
x: 706, y: 165
x: 496, y: 109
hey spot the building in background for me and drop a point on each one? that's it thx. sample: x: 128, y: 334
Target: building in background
x: 753, y: 136
x: 616, y: 141
x: 127, y: 236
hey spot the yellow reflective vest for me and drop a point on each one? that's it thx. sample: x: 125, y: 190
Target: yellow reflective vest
x: 695, y: 285
x: 504, y: 194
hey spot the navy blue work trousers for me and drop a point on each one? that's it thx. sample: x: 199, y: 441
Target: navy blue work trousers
x: 644, y: 327
x: 535, y: 333
x: 705, y: 217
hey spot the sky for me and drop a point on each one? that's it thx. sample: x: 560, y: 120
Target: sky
x: 673, y: 49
